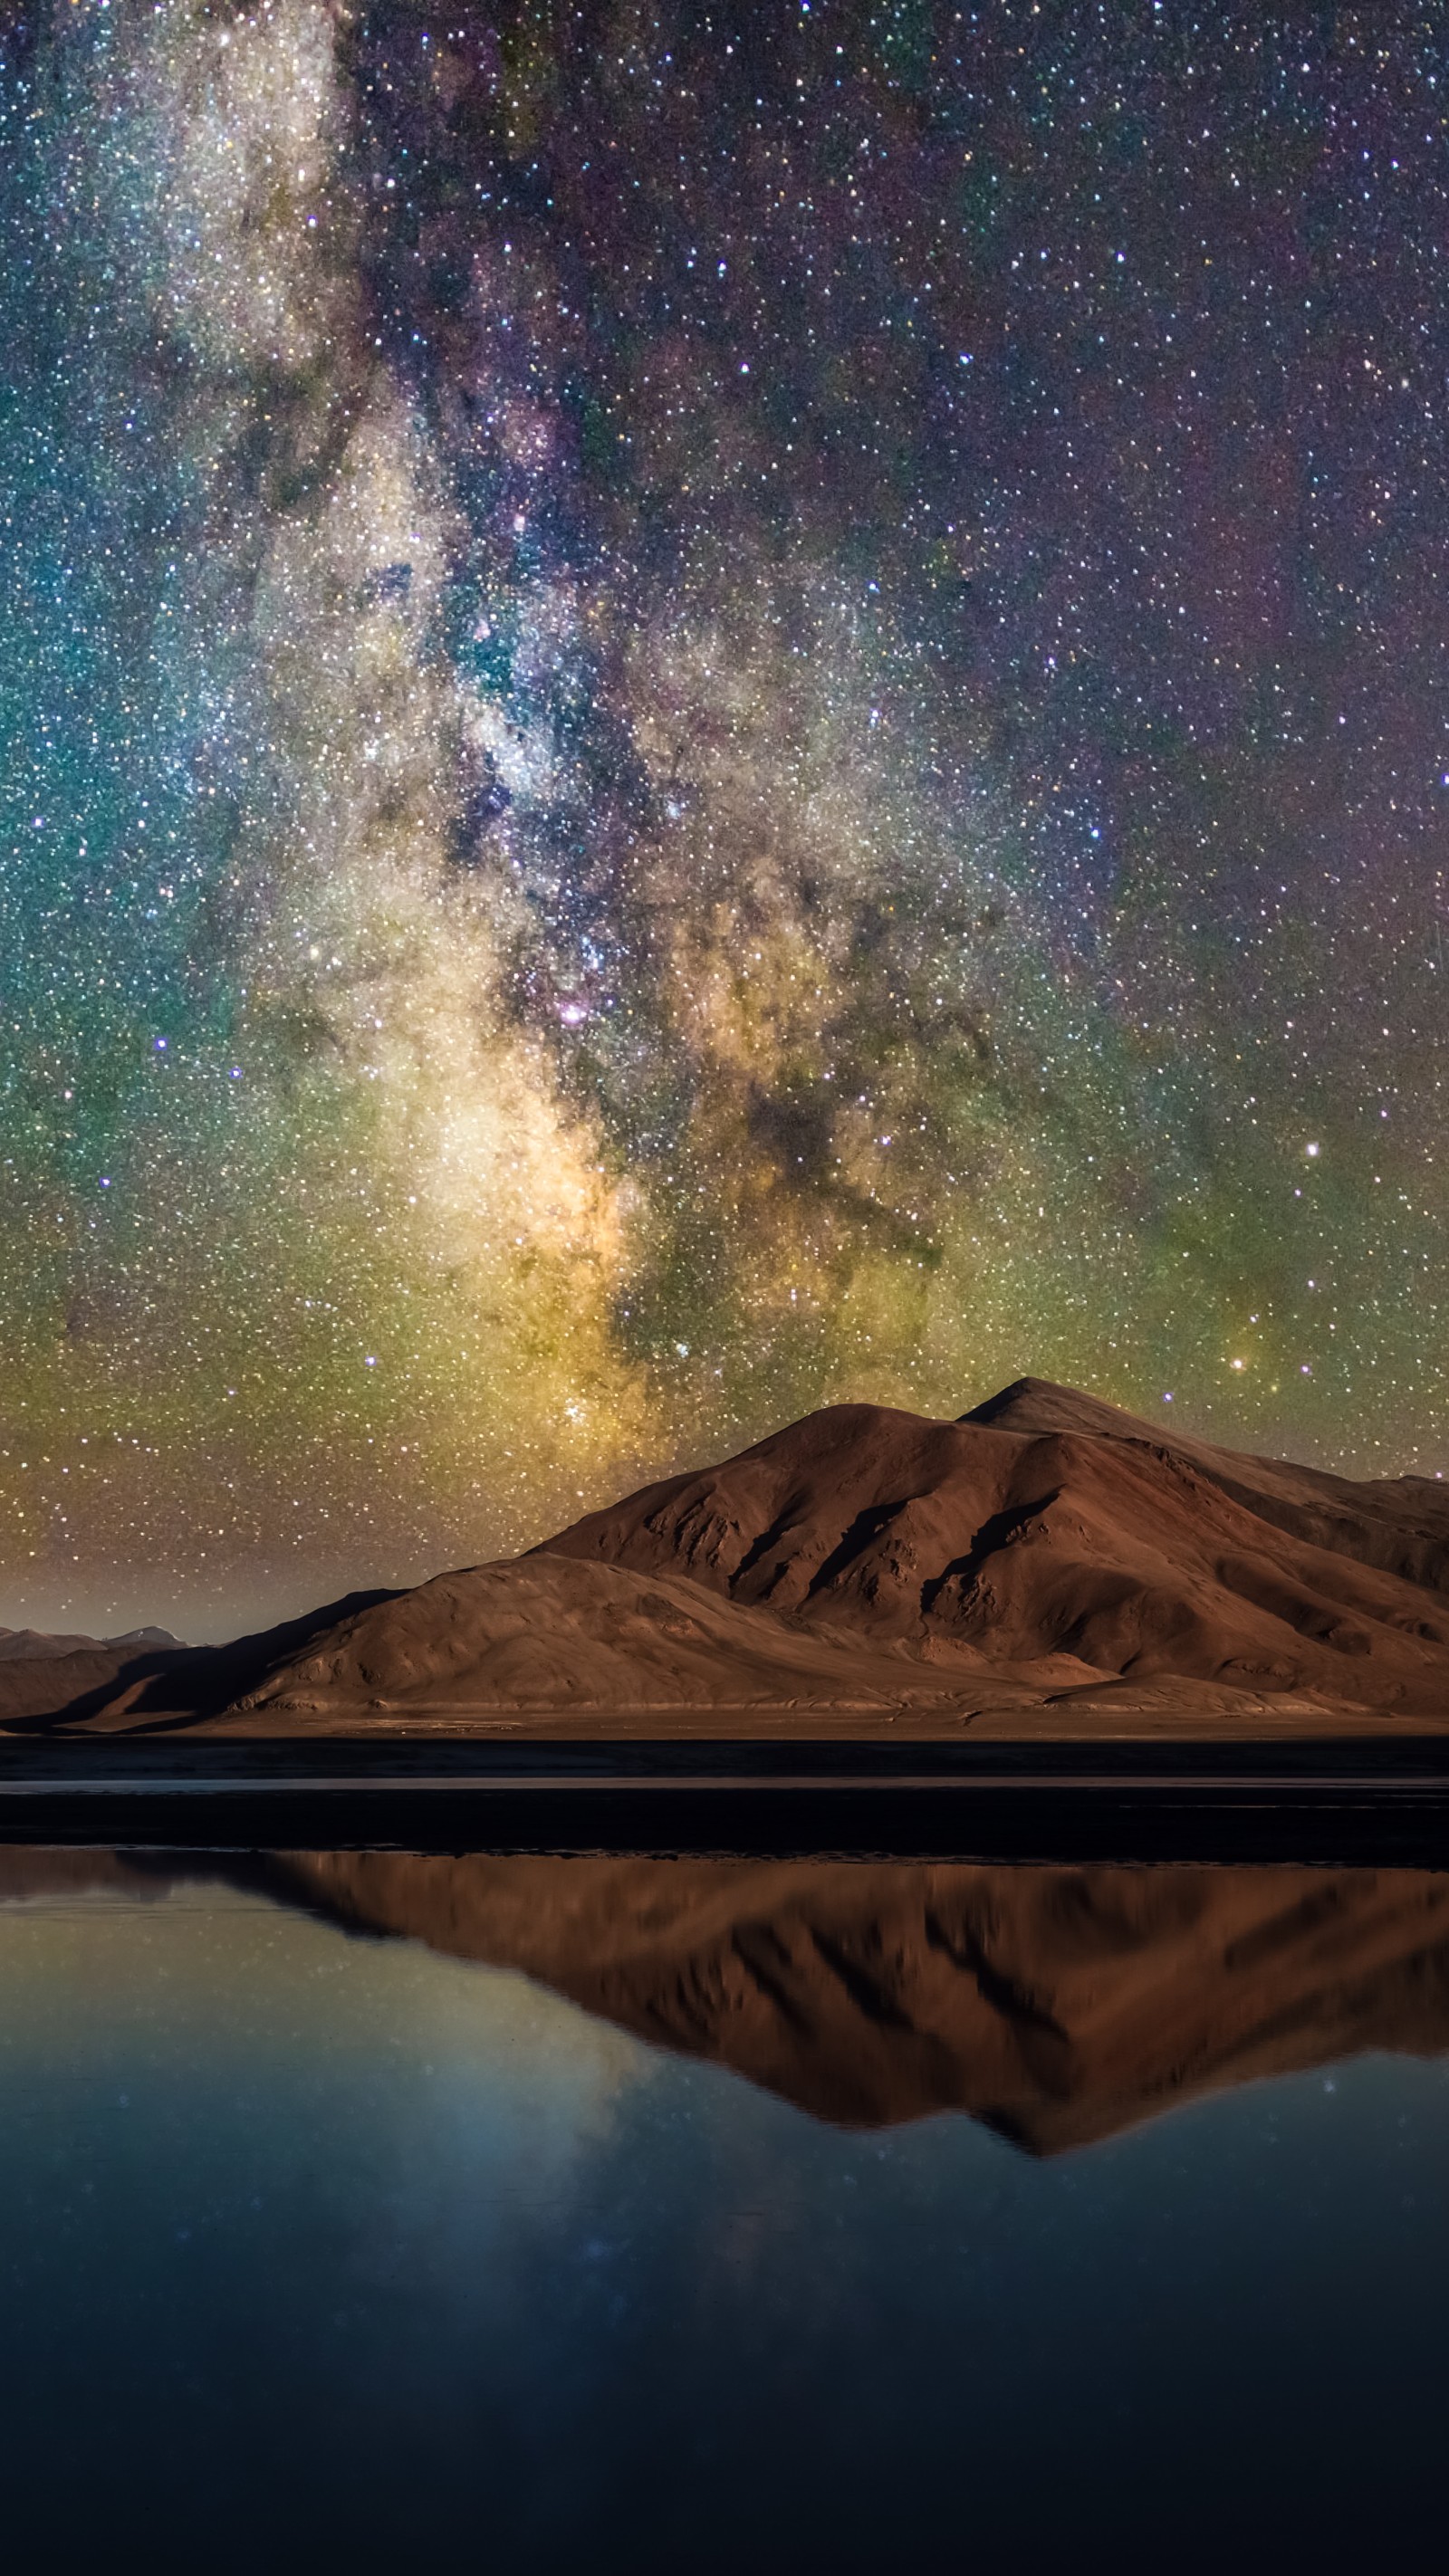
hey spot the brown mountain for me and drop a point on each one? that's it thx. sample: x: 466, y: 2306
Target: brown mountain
x: 1046, y: 1525
x: 1045, y: 1562
x: 146, y: 1677
x: 1059, y: 2006
x: 40, y: 1673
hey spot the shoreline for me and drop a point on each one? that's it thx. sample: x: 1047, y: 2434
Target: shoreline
x: 1324, y: 1801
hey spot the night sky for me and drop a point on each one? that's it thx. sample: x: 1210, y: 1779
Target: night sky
x: 703, y: 710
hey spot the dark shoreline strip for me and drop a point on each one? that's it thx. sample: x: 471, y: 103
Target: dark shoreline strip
x: 1331, y: 1823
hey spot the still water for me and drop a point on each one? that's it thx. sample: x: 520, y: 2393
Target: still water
x: 364, y: 2211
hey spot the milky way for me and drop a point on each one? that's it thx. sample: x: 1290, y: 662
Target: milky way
x: 703, y: 710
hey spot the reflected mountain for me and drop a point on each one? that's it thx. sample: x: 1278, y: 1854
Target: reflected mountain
x: 1058, y: 2006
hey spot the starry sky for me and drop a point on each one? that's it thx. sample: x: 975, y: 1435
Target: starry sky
x: 703, y: 709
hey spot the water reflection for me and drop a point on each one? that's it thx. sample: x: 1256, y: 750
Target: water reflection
x: 359, y: 2251
x: 1057, y: 2006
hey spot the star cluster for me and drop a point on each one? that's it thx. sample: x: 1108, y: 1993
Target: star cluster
x: 703, y: 709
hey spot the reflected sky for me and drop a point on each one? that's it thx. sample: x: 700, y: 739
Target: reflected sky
x: 393, y: 2252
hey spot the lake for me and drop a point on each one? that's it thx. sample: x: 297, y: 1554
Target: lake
x: 363, y: 2210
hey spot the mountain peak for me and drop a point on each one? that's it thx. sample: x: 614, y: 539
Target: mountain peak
x: 1038, y: 1404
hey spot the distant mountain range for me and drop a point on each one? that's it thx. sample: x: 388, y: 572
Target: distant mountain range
x: 1044, y: 1562
x: 22, y: 1645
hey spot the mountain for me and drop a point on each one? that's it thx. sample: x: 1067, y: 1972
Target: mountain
x: 1046, y: 1525
x: 1045, y: 1561
x: 1058, y: 2006
x: 41, y: 1673
x: 23, y: 1645
x: 146, y: 1677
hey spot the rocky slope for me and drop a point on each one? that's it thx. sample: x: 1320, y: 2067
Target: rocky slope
x: 545, y: 1633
